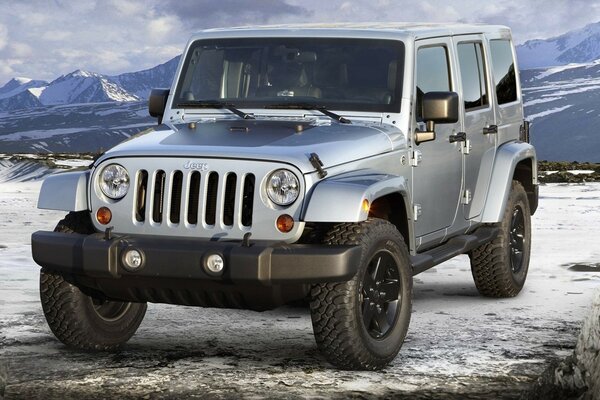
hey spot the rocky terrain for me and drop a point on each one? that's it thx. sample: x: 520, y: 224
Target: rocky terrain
x: 459, y: 346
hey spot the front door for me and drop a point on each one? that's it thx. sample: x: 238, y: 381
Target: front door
x: 436, y: 183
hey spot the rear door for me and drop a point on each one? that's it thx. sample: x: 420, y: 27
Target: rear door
x: 478, y: 122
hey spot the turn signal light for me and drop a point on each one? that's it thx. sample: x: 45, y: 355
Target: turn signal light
x: 103, y: 215
x: 285, y: 223
x: 366, y: 206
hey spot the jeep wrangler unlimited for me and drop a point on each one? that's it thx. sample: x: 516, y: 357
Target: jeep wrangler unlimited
x: 322, y: 162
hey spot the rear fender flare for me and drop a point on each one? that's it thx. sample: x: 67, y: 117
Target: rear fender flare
x: 507, y: 158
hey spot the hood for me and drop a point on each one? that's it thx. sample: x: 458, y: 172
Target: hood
x: 290, y: 141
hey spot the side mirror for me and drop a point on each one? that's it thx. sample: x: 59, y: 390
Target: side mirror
x: 438, y: 108
x: 157, y: 103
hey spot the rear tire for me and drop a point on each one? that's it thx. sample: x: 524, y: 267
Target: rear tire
x: 500, y: 267
x: 361, y: 324
x: 81, y: 319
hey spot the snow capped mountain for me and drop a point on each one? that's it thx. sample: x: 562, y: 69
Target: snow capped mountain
x: 577, y: 46
x: 83, y: 87
x: 86, y: 87
x: 20, y: 93
x: 18, y: 85
x: 140, y: 83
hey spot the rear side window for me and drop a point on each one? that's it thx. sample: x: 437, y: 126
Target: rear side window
x: 503, y: 66
x: 472, y: 74
x: 433, y: 73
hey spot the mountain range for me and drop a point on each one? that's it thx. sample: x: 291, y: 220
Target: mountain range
x: 577, y: 46
x: 87, y: 112
x: 85, y: 87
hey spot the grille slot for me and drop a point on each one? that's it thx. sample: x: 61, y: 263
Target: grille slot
x: 159, y: 190
x: 140, y: 195
x: 229, y: 201
x: 248, y: 200
x: 193, y: 198
x: 211, y: 198
x: 175, y: 214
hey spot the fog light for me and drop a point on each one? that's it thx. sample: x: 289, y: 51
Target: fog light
x: 214, y: 264
x: 285, y: 223
x: 133, y: 259
x: 103, y: 215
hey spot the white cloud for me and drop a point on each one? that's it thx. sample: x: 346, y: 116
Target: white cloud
x: 3, y: 36
x: 55, y: 35
x: 20, y: 50
x: 53, y: 38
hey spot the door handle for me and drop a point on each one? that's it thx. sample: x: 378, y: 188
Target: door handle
x: 490, y: 129
x: 459, y: 137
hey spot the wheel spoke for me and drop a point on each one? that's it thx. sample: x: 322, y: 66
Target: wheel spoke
x: 368, y: 312
x: 390, y: 291
x: 378, y: 270
x: 381, y: 319
x: 368, y: 283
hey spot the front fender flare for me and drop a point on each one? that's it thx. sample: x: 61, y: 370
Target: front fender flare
x: 507, y: 158
x: 340, y: 198
x: 65, y: 191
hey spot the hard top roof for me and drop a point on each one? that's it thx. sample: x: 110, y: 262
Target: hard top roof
x: 404, y: 29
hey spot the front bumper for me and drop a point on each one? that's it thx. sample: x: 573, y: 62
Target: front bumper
x: 165, y: 258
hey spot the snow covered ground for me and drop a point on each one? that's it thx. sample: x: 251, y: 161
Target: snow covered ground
x: 459, y: 345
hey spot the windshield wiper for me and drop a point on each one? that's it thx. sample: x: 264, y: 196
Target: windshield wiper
x: 216, y: 104
x: 310, y: 106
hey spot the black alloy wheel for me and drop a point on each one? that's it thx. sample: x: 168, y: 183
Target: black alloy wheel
x: 517, y: 239
x: 380, y: 294
x: 110, y: 310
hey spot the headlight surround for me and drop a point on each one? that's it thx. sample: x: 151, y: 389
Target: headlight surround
x: 283, y: 187
x: 114, y: 181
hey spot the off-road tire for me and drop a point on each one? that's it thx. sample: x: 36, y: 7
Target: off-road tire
x: 337, y: 308
x: 491, y: 265
x: 79, y: 318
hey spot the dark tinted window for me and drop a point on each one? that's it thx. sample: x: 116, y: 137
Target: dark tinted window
x: 343, y: 74
x: 472, y: 74
x: 504, y: 71
x: 433, y: 73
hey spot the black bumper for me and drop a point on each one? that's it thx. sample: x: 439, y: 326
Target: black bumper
x: 94, y: 257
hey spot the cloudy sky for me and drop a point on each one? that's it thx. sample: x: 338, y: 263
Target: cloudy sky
x: 44, y: 39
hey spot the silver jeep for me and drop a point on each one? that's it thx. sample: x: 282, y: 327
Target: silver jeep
x: 326, y: 163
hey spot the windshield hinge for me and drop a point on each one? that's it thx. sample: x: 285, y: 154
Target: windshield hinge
x: 318, y: 164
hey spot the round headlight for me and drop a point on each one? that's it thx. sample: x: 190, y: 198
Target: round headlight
x: 283, y: 187
x: 114, y: 181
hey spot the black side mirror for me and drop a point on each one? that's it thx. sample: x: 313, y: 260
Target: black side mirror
x: 157, y: 103
x: 438, y: 108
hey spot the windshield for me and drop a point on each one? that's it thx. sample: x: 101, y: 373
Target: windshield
x: 342, y: 74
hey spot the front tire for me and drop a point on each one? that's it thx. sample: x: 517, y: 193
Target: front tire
x: 84, y: 320
x: 361, y: 324
x: 500, y: 267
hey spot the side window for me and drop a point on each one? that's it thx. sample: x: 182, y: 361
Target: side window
x: 472, y: 74
x: 504, y: 71
x: 433, y: 73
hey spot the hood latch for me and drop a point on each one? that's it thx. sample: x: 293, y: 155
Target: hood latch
x: 318, y: 164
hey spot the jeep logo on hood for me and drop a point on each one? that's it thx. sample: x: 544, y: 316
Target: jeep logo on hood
x: 196, y: 166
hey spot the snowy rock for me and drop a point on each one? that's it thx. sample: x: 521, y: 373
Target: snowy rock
x: 3, y: 379
x: 578, y: 376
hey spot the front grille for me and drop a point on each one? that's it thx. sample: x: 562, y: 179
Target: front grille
x: 208, y: 197
x: 205, y: 198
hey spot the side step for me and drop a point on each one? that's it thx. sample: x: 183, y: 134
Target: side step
x: 453, y: 247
